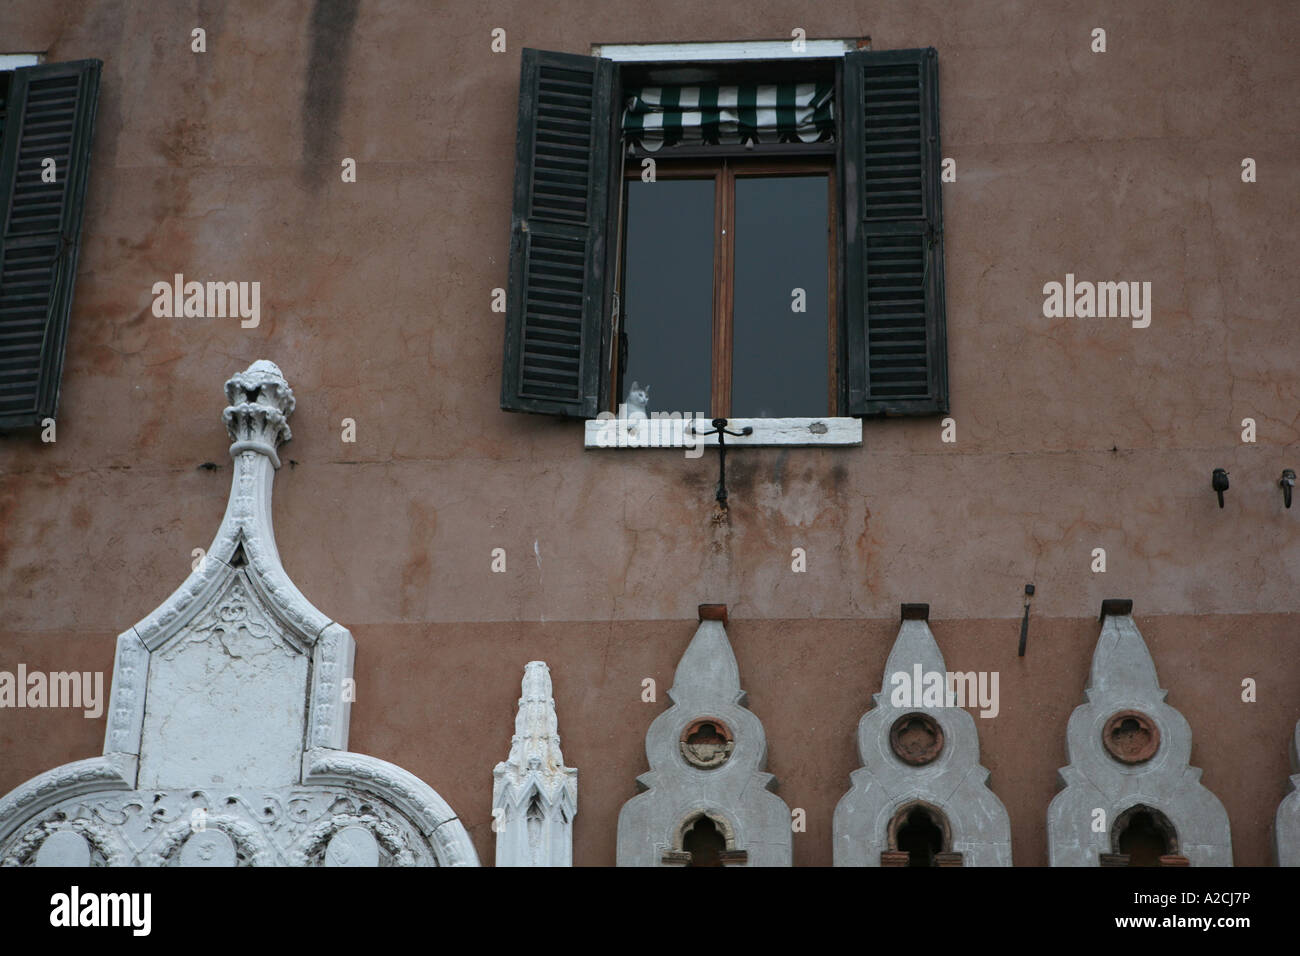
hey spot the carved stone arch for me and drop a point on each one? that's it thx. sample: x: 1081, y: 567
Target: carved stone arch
x: 534, y: 801
x: 1161, y: 824
x: 173, y: 729
x: 719, y: 820
x: 905, y: 813
x: 906, y: 817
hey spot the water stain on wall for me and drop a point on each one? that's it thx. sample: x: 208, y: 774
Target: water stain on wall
x: 330, y: 30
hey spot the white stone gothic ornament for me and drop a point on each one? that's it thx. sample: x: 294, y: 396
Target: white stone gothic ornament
x: 534, y: 795
x: 1286, y: 825
x: 707, y: 799
x: 1128, y: 762
x: 228, y: 722
x: 921, y: 788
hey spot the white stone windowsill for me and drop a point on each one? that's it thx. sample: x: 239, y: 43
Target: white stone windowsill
x: 13, y: 61
x: 614, y: 433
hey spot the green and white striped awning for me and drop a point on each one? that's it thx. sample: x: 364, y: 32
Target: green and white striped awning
x: 657, y: 116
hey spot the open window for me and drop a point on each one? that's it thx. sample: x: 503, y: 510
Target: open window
x: 782, y: 258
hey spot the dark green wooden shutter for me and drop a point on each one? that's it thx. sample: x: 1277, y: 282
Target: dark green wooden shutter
x: 558, y: 299
x: 50, y: 112
x: 895, y: 359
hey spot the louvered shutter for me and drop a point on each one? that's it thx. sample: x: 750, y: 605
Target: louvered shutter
x: 49, y: 113
x: 561, y: 248
x: 894, y: 331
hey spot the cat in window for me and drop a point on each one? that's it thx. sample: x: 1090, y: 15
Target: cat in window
x: 638, y: 400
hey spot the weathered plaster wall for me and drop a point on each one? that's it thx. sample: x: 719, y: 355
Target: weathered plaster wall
x: 1072, y: 434
x: 440, y: 701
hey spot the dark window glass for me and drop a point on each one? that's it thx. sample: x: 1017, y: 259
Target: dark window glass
x: 779, y: 355
x: 668, y: 304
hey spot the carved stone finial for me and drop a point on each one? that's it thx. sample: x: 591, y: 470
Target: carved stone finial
x: 261, y: 402
x: 706, y: 799
x: 536, y: 743
x: 1129, y: 755
x: 534, y: 795
x: 920, y: 756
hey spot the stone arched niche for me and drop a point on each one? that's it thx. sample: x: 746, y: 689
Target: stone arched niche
x: 919, y: 835
x: 1143, y: 836
x: 705, y: 838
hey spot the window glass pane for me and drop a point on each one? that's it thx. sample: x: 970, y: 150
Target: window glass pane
x: 668, y: 297
x: 779, y: 354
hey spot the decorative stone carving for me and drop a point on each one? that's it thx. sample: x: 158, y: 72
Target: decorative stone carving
x: 1130, y: 736
x: 352, y: 846
x: 204, y: 761
x: 1128, y: 762
x: 208, y: 848
x: 920, y: 766
x: 63, y: 848
x: 534, y: 795
x: 916, y: 738
x: 721, y: 791
x: 224, y: 680
x: 1286, y: 824
x: 706, y: 743
x: 286, y: 826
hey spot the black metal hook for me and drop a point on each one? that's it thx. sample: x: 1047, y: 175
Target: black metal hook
x: 1287, y: 483
x: 1219, y: 482
x: 1024, y: 623
x: 720, y: 429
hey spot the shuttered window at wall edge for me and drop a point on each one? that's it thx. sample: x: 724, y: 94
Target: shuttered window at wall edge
x: 558, y: 298
x: 49, y: 113
x: 895, y: 338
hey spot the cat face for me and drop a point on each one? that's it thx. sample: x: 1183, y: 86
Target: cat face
x: 638, y: 396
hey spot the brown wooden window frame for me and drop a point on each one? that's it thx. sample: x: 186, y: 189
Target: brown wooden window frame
x: 724, y: 168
